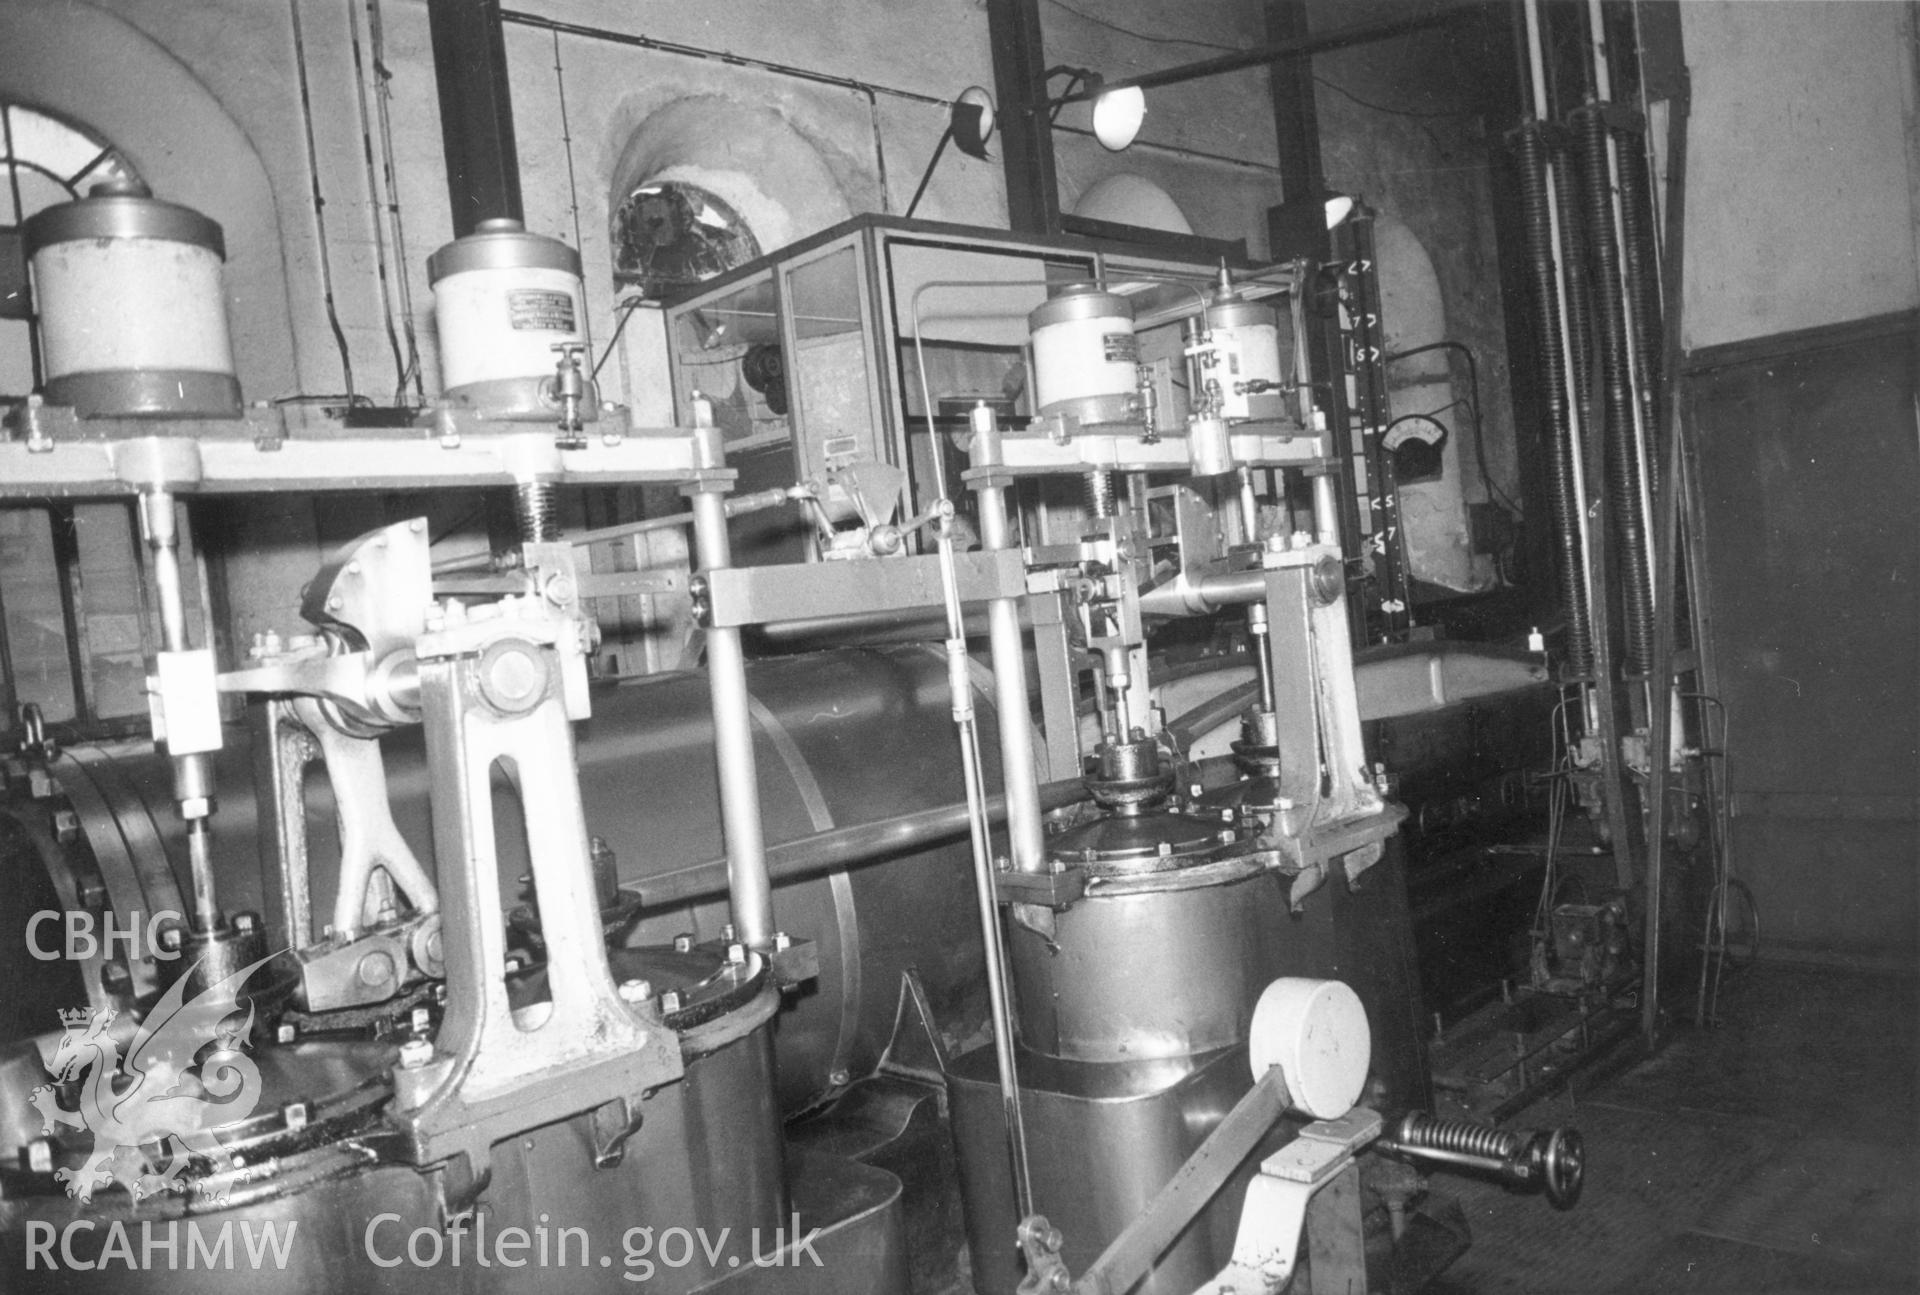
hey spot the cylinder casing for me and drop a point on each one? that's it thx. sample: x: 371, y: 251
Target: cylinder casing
x: 502, y: 300
x: 1084, y: 347
x: 1248, y: 336
x: 132, y: 307
x: 1160, y: 974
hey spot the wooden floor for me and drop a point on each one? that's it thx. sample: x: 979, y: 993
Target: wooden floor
x: 1777, y: 1152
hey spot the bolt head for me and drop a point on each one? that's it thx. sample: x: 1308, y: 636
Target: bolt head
x: 515, y: 677
x: 726, y: 932
x: 683, y: 944
x: 285, y: 1034
x: 737, y: 954
x: 376, y: 968
x: 782, y: 941
x: 246, y: 923
x: 66, y: 826
x: 415, y: 1053
x: 670, y: 1001
x: 635, y: 991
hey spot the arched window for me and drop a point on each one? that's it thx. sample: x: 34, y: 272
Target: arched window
x: 669, y: 235
x: 43, y: 161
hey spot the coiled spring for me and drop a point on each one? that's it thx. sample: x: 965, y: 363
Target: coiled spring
x: 1552, y: 1161
x: 536, y: 509
x: 1099, y: 486
x: 1421, y: 1130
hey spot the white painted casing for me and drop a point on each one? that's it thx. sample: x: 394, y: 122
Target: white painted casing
x: 1248, y: 353
x: 1074, y: 359
x: 499, y: 324
x: 1316, y: 1032
x: 111, y: 305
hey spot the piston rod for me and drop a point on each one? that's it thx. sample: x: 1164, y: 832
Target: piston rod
x: 192, y: 774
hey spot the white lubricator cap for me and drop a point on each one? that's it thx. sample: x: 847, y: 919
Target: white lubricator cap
x: 1316, y: 1032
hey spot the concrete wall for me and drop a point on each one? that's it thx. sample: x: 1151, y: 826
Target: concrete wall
x: 1801, y: 167
x: 1801, y: 215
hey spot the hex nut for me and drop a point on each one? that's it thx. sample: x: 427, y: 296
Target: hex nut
x: 635, y: 991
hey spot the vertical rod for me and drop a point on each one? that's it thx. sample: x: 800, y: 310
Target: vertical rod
x: 63, y: 532
x: 1603, y: 90
x: 986, y: 889
x: 1025, y: 831
x: 999, y: 994
x: 1261, y: 635
x: 192, y: 774
x: 1258, y: 637
x: 749, y: 888
x: 1576, y: 413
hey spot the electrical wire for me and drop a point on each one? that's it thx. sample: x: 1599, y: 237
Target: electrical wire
x: 625, y: 310
x: 573, y: 185
x: 1149, y: 37
x: 1441, y: 114
x: 383, y: 103
x: 1494, y: 492
x: 373, y: 205
x: 1716, y: 957
x: 319, y: 202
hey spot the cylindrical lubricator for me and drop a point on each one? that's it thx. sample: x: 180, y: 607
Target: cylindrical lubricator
x: 503, y: 299
x: 133, y: 319
x: 1084, y: 349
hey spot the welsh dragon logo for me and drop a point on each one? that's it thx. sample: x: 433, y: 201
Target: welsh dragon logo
x: 154, y: 1095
